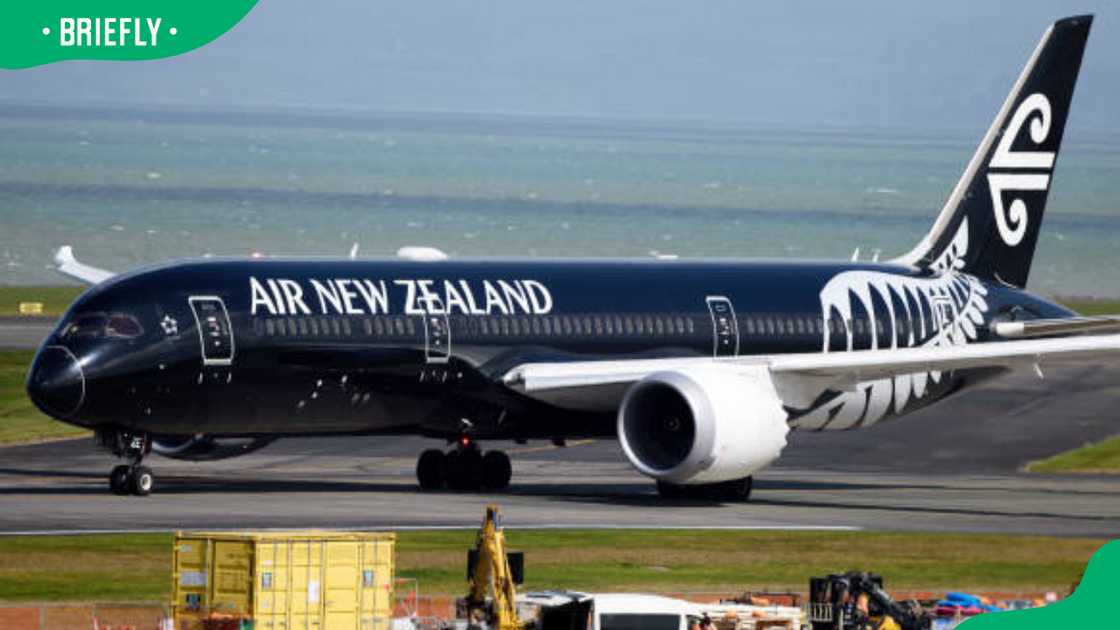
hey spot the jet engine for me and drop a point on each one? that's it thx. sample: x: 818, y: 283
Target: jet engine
x: 703, y: 425
x: 202, y: 447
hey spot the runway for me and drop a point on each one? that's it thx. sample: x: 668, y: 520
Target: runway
x: 954, y: 467
x: 24, y: 333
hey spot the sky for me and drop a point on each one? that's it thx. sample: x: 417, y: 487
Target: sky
x: 945, y: 64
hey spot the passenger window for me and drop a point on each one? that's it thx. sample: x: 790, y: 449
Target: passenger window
x: 536, y: 326
x: 691, y: 325
x: 546, y: 325
x: 269, y: 327
x: 346, y: 326
x: 303, y: 327
x: 659, y: 326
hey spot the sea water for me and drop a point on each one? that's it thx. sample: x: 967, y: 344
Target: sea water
x: 132, y: 186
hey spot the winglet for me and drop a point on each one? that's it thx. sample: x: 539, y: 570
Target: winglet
x: 69, y: 266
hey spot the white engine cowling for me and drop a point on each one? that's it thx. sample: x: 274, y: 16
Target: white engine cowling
x: 703, y: 425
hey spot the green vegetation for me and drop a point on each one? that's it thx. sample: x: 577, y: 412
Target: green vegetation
x: 135, y: 567
x: 1101, y: 457
x: 55, y: 299
x: 1092, y: 306
x: 20, y: 421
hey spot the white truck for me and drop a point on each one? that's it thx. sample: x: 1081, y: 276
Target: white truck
x: 569, y: 610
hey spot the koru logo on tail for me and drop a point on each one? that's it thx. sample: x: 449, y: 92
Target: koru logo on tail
x: 1012, y: 220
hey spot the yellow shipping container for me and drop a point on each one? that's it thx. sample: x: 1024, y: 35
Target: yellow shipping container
x: 283, y: 580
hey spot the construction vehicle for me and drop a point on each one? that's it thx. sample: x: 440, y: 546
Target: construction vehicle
x: 856, y: 600
x: 493, y: 575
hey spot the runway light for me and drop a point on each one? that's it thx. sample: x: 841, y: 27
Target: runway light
x: 464, y: 441
x: 256, y: 255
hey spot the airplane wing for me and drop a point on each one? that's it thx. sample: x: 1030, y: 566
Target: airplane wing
x: 801, y: 378
x: 68, y: 265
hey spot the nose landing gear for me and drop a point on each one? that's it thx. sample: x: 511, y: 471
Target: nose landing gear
x: 131, y: 478
x: 465, y: 467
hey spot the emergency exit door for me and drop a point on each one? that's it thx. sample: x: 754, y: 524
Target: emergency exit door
x: 215, y: 332
x: 725, y: 328
x: 437, y: 333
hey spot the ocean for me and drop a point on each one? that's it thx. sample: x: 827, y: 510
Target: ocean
x: 127, y: 186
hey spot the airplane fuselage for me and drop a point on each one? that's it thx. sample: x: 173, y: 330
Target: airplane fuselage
x: 313, y: 346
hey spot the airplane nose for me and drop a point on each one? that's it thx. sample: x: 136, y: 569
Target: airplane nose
x: 56, y: 383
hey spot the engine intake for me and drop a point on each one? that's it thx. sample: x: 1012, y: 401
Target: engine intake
x: 702, y: 425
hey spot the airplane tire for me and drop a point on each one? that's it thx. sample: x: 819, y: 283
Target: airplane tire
x: 431, y: 469
x: 670, y: 490
x: 120, y: 480
x: 141, y: 481
x: 737, y: 490
x: 496, y: 470
x: 470, y: 462
x: 464, y: 469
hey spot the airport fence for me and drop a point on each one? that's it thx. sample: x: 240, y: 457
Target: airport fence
x: 142, y: 616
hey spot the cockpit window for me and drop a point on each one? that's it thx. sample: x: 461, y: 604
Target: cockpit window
x: 86, y: 325
x: 123, y: 326
x: 97, y: 325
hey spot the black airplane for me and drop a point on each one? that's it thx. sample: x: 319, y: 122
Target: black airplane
x: 699, y: 367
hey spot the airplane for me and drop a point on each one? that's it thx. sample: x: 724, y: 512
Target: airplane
x: 700, y: 368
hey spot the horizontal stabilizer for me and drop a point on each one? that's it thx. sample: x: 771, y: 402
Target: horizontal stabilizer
x: 69, y: 266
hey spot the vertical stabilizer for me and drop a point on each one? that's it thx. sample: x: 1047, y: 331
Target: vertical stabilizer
x: 990, y: 223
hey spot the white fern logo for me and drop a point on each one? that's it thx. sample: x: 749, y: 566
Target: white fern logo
x: 943, y: 310
x: 1012, y: 221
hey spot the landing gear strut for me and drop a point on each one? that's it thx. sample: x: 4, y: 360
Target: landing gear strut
x: 464, y: 467
x: 131, y: 478
x: 735, y: 491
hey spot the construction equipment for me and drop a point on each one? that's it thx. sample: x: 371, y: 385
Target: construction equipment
x: 492, y: 600
x: 283, y: 580
x: 856, y: 600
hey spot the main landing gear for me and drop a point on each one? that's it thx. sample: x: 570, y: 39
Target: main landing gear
x: 464, y: 467
x: 131, y: 478
x: 734, y: 491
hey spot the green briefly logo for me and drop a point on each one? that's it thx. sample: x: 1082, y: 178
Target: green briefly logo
x: 35, y: 33
x: 1090, y: 606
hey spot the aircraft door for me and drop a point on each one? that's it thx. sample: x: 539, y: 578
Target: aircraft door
x: 725, y: 328
x: 437, y: 333
x: 215, y: 334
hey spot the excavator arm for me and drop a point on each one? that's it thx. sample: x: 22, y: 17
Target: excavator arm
x: 492, y: 577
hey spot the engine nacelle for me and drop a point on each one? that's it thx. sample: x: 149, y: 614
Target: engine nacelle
x: 205, y: 447
x: 702, y: 425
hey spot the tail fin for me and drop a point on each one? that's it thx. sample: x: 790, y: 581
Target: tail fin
x: 990, y: 224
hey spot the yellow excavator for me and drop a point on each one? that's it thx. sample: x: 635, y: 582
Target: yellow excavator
x: 492, y: 600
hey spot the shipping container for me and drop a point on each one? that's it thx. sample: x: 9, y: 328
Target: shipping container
x: 307, y: 580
